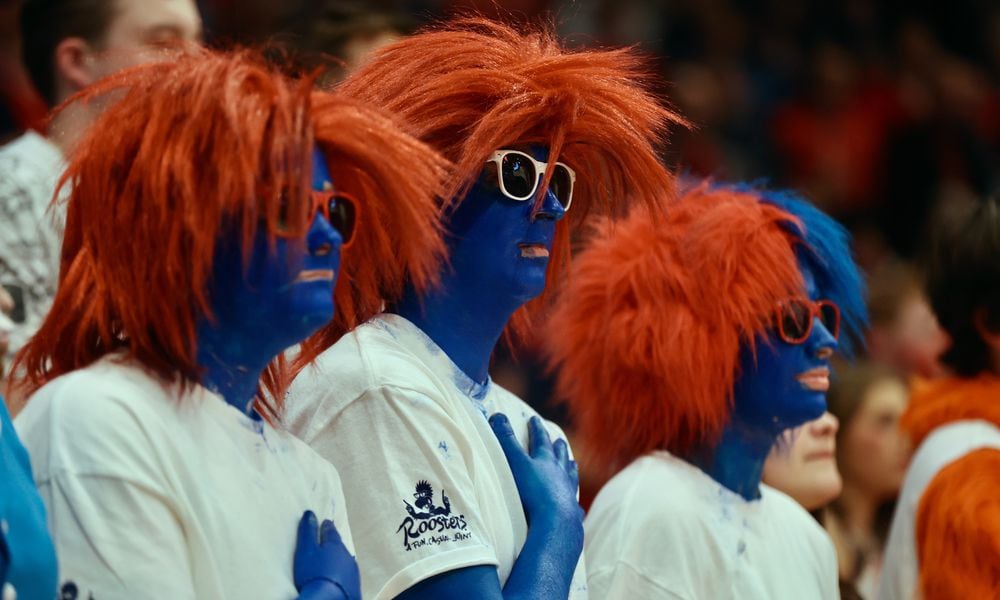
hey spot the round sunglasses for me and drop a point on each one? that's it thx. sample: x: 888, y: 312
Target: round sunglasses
x: 795, y: 318
x: 519, y: 175
x: 340, y: 210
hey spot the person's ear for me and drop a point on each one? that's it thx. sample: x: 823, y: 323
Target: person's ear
x: 987, y: 327
x: 74, y: 64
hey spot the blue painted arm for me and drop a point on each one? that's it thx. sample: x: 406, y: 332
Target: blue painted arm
x: 324, y: 569
x: 478, y: 582
x: 547, y: 482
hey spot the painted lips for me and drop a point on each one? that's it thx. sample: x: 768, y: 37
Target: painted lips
x: 817, y: 380
x: 533, y: 251
x: 315, y: 275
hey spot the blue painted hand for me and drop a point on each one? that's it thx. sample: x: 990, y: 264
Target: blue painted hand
x: 547, y: 481
x: 324, y: 568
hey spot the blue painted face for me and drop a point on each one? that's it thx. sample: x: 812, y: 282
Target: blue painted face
x: 500, y: 247
x: 786, y: 385
x: 287, y: 292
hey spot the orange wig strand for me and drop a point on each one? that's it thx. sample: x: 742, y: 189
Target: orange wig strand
x: 399, y: 233
x: 189, y: 146
x: 958, y: 518
x: 941, y: 401
x: 472, y: 86
x: 647, y: 344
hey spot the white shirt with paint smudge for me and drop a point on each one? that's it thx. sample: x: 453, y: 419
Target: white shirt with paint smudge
x: 427, y: 485
x: 663, y: 529
x: 155, y: 492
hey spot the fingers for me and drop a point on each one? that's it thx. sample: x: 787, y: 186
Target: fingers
x: 308, y: 529
x: 539, y: 444
x: 505, y: 435
x: 561, y: 450
x: 574, y: 474
x: 328, y: 533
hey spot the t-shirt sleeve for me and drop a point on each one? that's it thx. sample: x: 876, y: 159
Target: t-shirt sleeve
x: 958, y: 529
x: 409, y: 490
x: 116, y: 539
x: 102, y: 469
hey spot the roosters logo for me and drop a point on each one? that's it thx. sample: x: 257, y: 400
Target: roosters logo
x: 430, y: 524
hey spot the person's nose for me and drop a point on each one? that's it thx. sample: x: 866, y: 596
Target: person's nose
x: 550, y: 209
x: 821, y: 342
x: 826, y: 425
x: 322, y: 238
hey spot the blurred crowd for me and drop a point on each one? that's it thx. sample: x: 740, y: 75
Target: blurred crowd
x: 886, y: 115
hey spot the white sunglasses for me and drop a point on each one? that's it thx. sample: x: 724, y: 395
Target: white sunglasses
x: 519, y: 174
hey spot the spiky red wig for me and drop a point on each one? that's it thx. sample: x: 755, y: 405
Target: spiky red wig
x: 647, y: 342
x: 472, y: 86
x: 399, y: 235
x: 188, y: 146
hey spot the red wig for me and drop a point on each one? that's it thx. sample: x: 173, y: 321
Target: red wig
x: 473, y: 86
x: 186, y: 147
x: 647, y: 344
x: 399, y: 233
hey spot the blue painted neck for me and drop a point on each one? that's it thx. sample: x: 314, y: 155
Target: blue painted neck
x: 737, y: 462
x: 464, y: 324
x: 232, y: 364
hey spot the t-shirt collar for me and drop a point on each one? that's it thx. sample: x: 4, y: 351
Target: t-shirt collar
x: 420, y: 344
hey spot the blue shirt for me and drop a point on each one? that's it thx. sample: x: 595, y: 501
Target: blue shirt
x: 32, y: 566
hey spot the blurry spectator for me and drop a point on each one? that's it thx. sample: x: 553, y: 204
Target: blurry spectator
x: 948, y: 149
x: 943, y: 541
x: 807, y: 471
x: 804, y: 465
x: 20, y: 106
x: 830, y: 139
x: 6, y: 327
x: 904, y: 333
x: 67, y: 44
x: 341, y: 35
x: 872, y: 454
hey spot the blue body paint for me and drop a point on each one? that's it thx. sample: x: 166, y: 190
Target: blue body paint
x: 489, y: 278
x: 263, y: 307
x: 497, y: 265
x: 768, y: 399
x: 281, y: 295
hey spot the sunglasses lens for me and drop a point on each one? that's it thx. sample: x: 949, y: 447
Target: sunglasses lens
x: 830, y: 317
x: 561, y: 185
x: 288, y: 219
x: 795, y: 321
x: 342, y: 216
x: 518, y: 173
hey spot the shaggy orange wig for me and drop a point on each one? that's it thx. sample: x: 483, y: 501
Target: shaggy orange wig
x: 647, y: 342
x: 472, y: 86
x: 188, y: 146
x: 958, y: 529
x: 958, y: 518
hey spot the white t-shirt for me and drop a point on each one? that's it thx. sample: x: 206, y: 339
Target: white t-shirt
x: 30, y: 234
x: 663, y: 529
x: 945, y: 445
x: 428, y: 487
x: 153, y: 492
